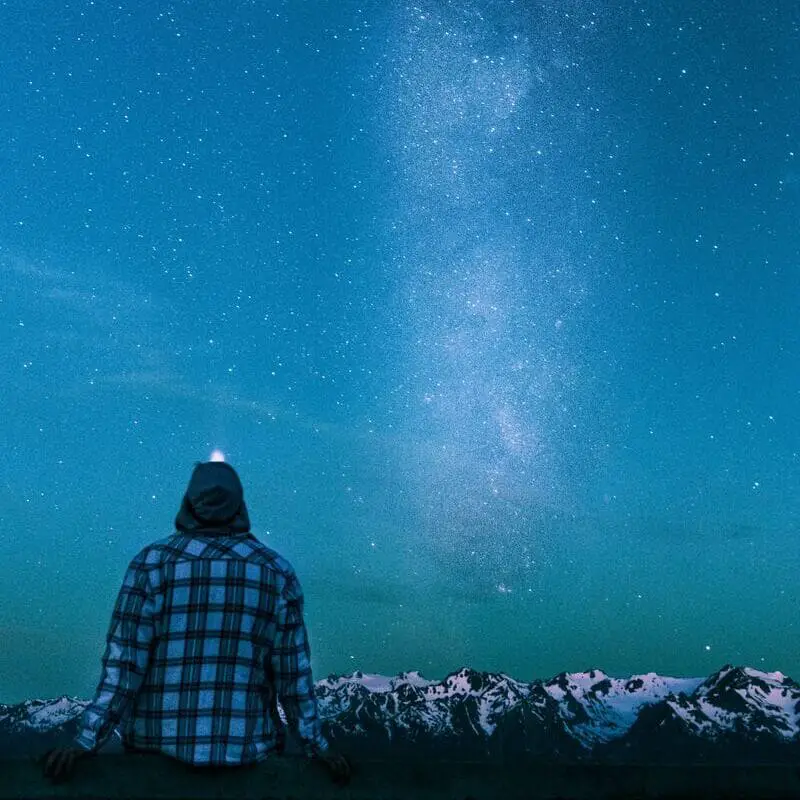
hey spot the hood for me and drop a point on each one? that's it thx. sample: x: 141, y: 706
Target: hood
x: 214, y: 501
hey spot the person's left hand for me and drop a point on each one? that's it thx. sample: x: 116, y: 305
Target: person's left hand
x: 59, y: 762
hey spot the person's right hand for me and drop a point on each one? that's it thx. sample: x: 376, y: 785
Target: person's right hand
x: 337, y: 766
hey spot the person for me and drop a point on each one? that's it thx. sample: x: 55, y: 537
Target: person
x: 206, y: 637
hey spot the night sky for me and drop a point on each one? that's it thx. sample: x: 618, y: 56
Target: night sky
x: 492, y: 305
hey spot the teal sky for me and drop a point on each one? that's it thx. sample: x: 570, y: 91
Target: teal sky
x: 493, y: 306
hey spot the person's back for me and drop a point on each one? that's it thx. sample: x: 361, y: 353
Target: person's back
x: 207, y: 634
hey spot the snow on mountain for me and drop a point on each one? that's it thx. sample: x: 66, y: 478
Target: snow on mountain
x: 409, y: 701
x: 42, y: 715
x: 45, y: 715
x: 373, y: 682
x: 734, y: 696
x: 597, y: 708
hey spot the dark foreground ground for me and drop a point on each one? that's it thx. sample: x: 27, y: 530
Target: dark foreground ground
x: 136, y: 777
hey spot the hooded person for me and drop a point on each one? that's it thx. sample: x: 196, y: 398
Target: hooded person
x: 206, y: 638
x: 213, y: 502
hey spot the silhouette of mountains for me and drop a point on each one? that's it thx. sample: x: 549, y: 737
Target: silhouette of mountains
x: 737, y: 715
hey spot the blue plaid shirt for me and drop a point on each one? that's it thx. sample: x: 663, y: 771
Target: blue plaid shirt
x: 207, y: 633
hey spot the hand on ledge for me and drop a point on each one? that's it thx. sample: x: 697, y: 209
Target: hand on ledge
x: 59, y: 762
x: 337, y: 765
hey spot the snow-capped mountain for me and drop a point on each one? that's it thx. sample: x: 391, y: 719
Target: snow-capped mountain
x: 735, y: 714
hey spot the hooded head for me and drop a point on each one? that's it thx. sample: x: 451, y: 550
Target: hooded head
x: 214, y: 501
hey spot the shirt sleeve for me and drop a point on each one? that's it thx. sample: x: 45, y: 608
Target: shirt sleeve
x: 291, y: 671
x: 125, y: 661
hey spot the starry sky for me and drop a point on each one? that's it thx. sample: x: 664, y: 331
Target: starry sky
x: 492, y: 305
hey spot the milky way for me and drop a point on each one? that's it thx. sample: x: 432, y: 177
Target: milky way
x: 480, y: 115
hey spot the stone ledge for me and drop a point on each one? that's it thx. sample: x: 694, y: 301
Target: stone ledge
x: 137, y: 777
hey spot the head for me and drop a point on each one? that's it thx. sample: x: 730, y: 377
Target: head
x: 214, y: 501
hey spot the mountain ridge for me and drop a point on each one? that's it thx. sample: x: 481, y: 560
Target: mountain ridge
x: 735, y: 713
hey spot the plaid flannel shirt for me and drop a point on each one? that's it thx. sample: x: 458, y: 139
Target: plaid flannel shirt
x: 206, y: 635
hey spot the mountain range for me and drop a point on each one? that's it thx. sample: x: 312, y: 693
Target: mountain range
x: 737, y: 715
